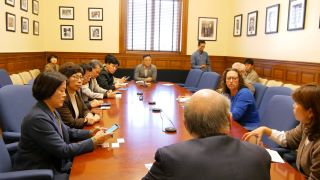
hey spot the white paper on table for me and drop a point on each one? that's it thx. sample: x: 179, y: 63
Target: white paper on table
x: 275, y: 157
x: 118, y: 95
x: 105, y: 144
x: 148, y: 165
x: 120, y: 140
x: 105, y: 107
x: 167, y: 84
x: 115, y: 145
x: 183, y: 99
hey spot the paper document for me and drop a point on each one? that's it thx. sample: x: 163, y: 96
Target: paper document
x: 183, y: 99
x: 120, y: 140
x: 167, y: 84
x: 115, y: 145
x: 105, y: 107
x: 275, y: 157
x: 118, y: 95
x: 148, y: 166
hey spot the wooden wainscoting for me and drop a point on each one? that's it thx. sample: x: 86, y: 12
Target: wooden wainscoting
x: 285, y: 71
x: 22, y: 61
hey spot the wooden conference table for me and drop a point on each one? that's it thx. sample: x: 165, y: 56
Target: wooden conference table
x: 143, y: 135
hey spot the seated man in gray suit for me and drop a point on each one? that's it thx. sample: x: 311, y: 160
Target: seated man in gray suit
x: 145, y: 71
x: 211, y: 154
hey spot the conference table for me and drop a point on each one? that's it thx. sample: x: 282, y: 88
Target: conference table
x: 143, y: 133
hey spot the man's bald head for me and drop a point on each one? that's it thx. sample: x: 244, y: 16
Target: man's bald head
x: 207, y: 113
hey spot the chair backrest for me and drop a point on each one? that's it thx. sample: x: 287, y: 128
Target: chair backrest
x: 34, y: 73
x: 5, y: 164
x: 209, y: 80
x: 269, y: 93
x: 291, y: 86
x: 271, y: 83
x: 263, y: 81
x: 16, y: 79
x: 25, y: 76
x: 260, y: 89
x: 278, y: 115
x: 15, y: 103
x: 193, y: 78
x: 4, y: 78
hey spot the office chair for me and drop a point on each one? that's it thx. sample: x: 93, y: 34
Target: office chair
x: 15, y: 103
x: 6, y: 168
x: 4, y: 78
x: 208, y: 80
x: 260, y: 89
x: 193, y: 78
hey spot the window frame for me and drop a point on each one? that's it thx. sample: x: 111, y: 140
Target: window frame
x: 123, y: 31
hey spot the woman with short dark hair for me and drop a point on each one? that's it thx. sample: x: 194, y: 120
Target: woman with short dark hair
x: 243, y: 106
x: 46, y: 142
x: 306, y: 136
x: 52, y: 65
x: 74, y: 112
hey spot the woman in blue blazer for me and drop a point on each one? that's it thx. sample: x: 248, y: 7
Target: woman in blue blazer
x: 46, y: 142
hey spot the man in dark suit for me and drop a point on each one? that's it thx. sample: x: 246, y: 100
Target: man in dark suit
x: 211, y: 154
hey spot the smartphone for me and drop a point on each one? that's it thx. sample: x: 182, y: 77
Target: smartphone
x: 128, y: 77
x: 106, y: 104
x: 112, y: 128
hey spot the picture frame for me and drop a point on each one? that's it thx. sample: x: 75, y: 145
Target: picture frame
x: 237, y: 25
x: 207, y: 28
x: 10, y: 2
x: 10, y: 22
x: 272, y: 19
x: 66, y: 32
x: 252, y: 22
x: 24, y: 5
x: 296, y: 15
x: 66, y: 12
x: 36, y: 28
x: 35, y: 7
x: 24, y: 25
x: 95, y: 32
x: 95, y: 14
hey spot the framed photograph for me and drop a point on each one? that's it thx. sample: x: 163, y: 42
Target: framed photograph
x: 66, y: 32
x: 36, y: 28
x: 207, y: 28
x: 24, y: 25
x: 9, y: 2
x: 252, y: 22
x: 24, y: 5
x: 95, y: 32
x: 35, y: 7
x: 237, y: 25
x: 296, y: 15
x: 272, y: 19
x: 95, y: 14
x: 66, y: 12
x: 10, y: 22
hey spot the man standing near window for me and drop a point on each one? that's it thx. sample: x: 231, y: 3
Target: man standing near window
x: 200, y: 59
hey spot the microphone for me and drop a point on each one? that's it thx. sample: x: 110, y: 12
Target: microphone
x: 169, y: 129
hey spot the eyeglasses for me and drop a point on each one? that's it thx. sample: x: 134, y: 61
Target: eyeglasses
x: 77, y: 77
x: 232, y: 78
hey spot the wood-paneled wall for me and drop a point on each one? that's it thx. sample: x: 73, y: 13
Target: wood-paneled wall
x: 286, y: 71
x: 22, y: 61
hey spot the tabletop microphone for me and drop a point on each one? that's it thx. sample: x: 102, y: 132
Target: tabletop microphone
x: 169, y: 129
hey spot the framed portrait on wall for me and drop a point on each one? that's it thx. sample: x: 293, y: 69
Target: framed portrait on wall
x: 10, y: 22
x: 35, y: 7
x: 272, y: 19
x: 237, y: 25
x: 95, y: 14
x: 66, y: 32
x: 66, y: 13
x: 36, y: 28
x: 9, y: 2
x: 252, y: 22
x: 95, y: 32
x: 24, y: 5
x: 207, y: 28
x: 296, y: 14
x: 24, y: 25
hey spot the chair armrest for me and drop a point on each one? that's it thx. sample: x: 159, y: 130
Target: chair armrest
x: 10, y: 137
x: 28, y: 174
x: 12, y: 147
